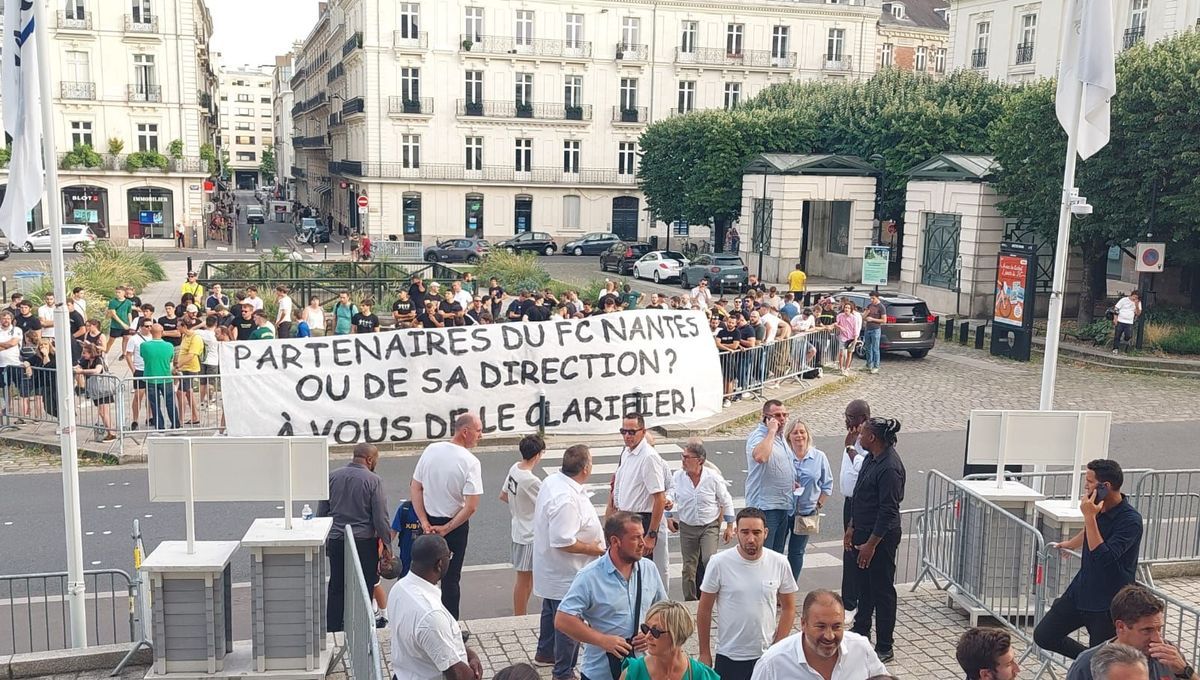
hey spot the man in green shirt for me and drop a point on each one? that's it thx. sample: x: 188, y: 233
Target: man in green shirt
x: 119, y: 310
x: 158, y: 355
x: 630, y: 297
x: 263, y: 330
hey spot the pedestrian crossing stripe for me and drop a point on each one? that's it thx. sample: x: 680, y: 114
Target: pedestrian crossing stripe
x: 602, y: 451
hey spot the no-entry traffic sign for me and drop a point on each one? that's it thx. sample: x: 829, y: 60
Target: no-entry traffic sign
x: 362, y: 200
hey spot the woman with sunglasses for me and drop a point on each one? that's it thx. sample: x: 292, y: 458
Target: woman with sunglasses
x: 668, y: 626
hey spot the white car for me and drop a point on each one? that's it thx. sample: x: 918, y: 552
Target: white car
x: 659, y: 265
x: 77, y: 237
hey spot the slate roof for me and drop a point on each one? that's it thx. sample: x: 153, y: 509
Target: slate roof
x: 917, y: 14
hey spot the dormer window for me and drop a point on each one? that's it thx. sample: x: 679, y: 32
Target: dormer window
x: 943, y: 13
x: 896, y: 9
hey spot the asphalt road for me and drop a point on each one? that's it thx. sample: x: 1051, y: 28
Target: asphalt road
x: 584, y: 269
x: 31, y: 507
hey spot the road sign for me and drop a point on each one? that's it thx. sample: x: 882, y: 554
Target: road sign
x: 362, y: 209
x: 891, y: 226
x: 1150, y: 257
x: 362, y: 201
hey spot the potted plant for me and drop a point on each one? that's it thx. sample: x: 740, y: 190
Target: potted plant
x: 524, y: 110
x: 467, y: 45
x: 574, y: 112
x: 175, y: 148
x: 412, y: 105
x: 82, y: 156
x: 474, y: 108
x: 629, y: 115
x: 115, y: 147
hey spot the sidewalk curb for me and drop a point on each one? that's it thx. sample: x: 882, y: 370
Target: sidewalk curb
x: 61, y: 661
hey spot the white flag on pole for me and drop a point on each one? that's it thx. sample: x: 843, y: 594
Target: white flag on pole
x: 21, y: 94
x: 1087, y: 59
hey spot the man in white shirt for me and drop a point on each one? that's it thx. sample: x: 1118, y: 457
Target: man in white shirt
x: 640, y: 487
x: 701, y: 296
x: 745, y: 584
x: 446, y: 487
x: 773, y: 326
x: 853, y: 455
x: 11, y: 337
x: 520, y: 492
x: 1128, y: 309
x: 252, y: 298
x: 822, y: 650
x: 283, y: 317
x: 461, y: 296
x: 424, y: 635
x: 569, y: 537
x: 46, y: 316
x: 137, y: 367
x: 210, y: 365
x: 80, y: 301
x: 700, y: 501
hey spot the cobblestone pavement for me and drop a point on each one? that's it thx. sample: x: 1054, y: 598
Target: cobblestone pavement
x: 16, y: 459
x: 938, y: 392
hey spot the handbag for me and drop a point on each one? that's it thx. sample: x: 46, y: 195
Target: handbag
x: 617, y: 663
x: 807, y: 525
x: 100, y: 386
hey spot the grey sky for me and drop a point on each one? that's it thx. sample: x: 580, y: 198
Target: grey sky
x: 253, y: 32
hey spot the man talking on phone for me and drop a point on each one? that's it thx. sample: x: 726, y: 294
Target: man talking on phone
x: 1108, y: 546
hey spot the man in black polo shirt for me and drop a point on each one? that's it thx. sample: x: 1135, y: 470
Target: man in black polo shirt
x: 874, y: 531
x: 1108, y: 545
x: 244, y: 323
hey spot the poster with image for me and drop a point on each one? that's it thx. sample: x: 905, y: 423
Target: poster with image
x: 1011, y: 273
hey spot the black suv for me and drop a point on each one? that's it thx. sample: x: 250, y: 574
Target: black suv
x: 531, y: 242
x: 910, y: 327
x: 620, y: 257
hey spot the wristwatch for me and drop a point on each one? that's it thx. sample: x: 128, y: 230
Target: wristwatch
x: 1187, y: 673
x: 652, y: 534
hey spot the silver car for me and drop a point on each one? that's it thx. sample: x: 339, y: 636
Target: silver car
x: 720, y: 270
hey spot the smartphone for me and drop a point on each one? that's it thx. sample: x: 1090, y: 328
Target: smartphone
x: 1102, y: 491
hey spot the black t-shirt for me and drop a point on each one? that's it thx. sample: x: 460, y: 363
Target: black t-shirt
x: 77, y: 322
x: 244, y: 327
x: 746, y: 332
x: 172, y: 324
x: 403, y: 307
x: 449, y: 311
x: 604, y: 300
x: 496, y: 293
x: 28, y: 323
x: 827, y: 317
x: 537, y: 313
x: 416, y: 293
x: 516, y: 310
x: 427, y: 320
x: 97, y: 339
x: 365, y: 323
x: 727, y: 336
x: 475, y: 314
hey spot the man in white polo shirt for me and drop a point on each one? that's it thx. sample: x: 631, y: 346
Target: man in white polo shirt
x: 427, y: 643
x: 446, y: 487
x: 640, y: 487
x: 823, y: 649
x: 569, y: 537
x: 745, y: 585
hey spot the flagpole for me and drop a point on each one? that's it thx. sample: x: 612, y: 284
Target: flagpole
x: 52, y: 205
x: 1061, y: 248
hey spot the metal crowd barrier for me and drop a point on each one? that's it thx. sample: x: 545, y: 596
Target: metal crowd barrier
x: 1056, y: 484
x: 361, y: 652
x: 1169, y: 501
x: 750, y: 371
x: 34, y: 610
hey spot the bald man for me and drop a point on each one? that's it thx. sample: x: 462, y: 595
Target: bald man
x: 446, y: 487
x: 356, y: 499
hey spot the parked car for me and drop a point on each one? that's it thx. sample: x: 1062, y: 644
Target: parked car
x: 314, y: 234
x: 5, y: 247
x: 594, y: 243
x: 469, y: 250
x: 530, y: 242
x: 720, y: 270
x: 307, y: 223
x: 621, y: 256
x: 659, y: 265
x: 910, y: 327
x: 255, y: 215
x: 77, y: 237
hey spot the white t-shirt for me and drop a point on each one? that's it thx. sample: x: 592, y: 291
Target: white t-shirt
x: 1126, y: 310
x: 423, y: 632
x: 522, y: 487
x: 46, y: 314
x: 285, y: 309
x: 255, y: 302
x: 770, y: 322
x: 449, y: 473
x: 12, y: 355
x: 209, y: 337
x: 464, y: 298
x: 800, y: 325
x: 858, y: 323
x: 747, y: 592
x: 314, y: 317
x: 81, y: 306
x: 131, y: 348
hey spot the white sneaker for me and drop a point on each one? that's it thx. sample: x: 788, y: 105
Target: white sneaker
x: 874, y: 371
x: 724, y: 403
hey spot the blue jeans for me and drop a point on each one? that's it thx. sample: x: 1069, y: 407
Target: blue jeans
x: 871, y: 346
x: 795, y: 552
x: 552, y: 644
x: 165, y: 392
x: 779, y: 527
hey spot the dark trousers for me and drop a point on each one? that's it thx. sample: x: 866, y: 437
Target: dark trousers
x: 729, y: 669
x: 1062, y: 620
x: 368, y: 556
x: 457, y: 540
x: 849, y: 566
x: 552, y: 644
x: 877, y: 593
x: 1122, y: 331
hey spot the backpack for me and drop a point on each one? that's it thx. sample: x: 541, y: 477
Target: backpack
x: 407, y: 526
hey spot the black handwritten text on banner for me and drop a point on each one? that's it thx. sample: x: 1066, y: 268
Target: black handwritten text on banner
x: 576, y: 376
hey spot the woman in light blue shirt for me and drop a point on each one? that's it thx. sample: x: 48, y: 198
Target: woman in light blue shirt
x: 814, y: 484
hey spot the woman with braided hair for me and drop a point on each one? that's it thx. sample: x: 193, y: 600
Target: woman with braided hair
x: 873, y: 534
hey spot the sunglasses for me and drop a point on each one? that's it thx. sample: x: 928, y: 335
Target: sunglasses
x: 652, y: 631
x: 625, y: 430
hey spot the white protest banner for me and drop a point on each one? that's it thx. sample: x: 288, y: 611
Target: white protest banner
x: 410, y: 384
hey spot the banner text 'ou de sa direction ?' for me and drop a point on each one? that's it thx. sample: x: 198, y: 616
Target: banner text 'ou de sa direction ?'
x: 572, y: 376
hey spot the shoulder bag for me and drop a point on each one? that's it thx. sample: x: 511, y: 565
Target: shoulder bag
x: 616, y: 663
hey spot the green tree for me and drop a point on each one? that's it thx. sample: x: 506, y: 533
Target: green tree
x: 267, y: 165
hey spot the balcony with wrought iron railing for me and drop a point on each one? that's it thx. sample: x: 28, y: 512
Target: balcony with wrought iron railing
x: 298, y: 77
x: 1024, y: 54
x: 77, y: 90
x: 629, y: 115
x: 1136, y: 34
x: 335, y: 119
x: 979, y: 59
x: 353, y: 43
x: 402, y: 40
x: 142, y: 24
x: 489, y: 173
x: 836, y: 62
x: 714, y: 56
x: 313, y: 142
x: 532, y: 110
x: 139, y: 92
x: 352, y: 106
x: 74, y: 21
x: 334, y: 73
x: 631, y: 52
x: 524, y: 47
x: 108, y: 162
x: 298, y: 171
x: 421, y: 106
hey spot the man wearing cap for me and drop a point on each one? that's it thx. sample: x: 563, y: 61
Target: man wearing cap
x: 192, y: 286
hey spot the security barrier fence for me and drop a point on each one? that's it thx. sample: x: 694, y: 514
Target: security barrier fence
x: 361, y: 652
x: 749, y: 371
x: 34, y: 614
